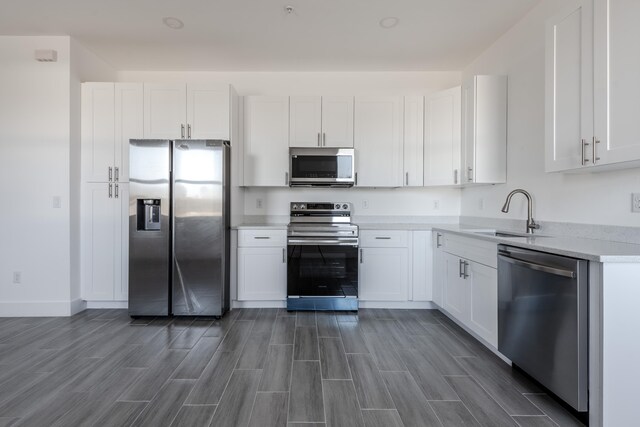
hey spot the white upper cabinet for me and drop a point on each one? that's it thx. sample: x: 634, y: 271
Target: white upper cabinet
x: 413, y: 141
x: 305, y: 121
x: 165, y: 110
x: 617, y: 86
x: 337, y: 121
x: 484, y: 118
x: 189, y: 111
x: 266, y: 141
x: 569, y: 88
x: 442, y: 137
x: 208, y: 111
x: 378, y: 141
x: 321, y: 121
x: 111, y: 115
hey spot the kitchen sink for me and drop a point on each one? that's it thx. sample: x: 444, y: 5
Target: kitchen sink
x: 505, y: 234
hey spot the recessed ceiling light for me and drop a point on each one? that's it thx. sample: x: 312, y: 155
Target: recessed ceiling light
x: 173, y: 23
x: 389, y: 22
x: 289, y: 10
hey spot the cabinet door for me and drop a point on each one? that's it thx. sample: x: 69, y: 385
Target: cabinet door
x: 483, y: 313
x: 442, y: 137
x: 305, y: 121
x: 485, y: 129
x: 384, y: 274
x: 569, y: 87
x: 456, y: 289
x: 421, y: 267
x: 165, y: 107
x: 129, y: 119
x: 439, y: 269
x: 262, y: 274
x: 378, y: 141
x: 208, y: 109
x: 337, y: 121
x: 266, y: 144
x: 100, y: 216
x: 617, y: 67
x: 98, y: 131
x: 413, y: 141
x: 121, y: 255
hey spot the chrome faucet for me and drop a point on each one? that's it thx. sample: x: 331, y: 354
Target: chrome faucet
x: 531, y: 224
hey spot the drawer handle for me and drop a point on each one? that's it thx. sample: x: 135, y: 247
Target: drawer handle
x: 383, y: 238
x: 261, y: 237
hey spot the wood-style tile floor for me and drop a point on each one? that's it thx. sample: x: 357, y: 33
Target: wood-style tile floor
x: 260, y: 367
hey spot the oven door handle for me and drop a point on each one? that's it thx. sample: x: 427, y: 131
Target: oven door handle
x: 539, y: 267
x: 323, y: 242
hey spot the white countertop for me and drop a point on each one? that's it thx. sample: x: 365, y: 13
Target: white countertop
x: 589, y: 249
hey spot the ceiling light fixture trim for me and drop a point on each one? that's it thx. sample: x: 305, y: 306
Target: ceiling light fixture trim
x: 173, y: 23
x: 389, y: 22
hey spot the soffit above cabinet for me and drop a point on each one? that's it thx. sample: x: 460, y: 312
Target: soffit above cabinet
x: 239, y: 35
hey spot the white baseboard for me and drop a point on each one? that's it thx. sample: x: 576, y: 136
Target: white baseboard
x: 37, y: 308
x: 107, y: 304
x: 397, y: 304
x: 258, y: 304
x: 77, y: 305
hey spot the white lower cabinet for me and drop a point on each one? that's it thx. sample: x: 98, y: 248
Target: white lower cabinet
x: 262, y: 269
x: 383, y: 274
x: 421, y: 267
x: 104, y: 244
x: 467, y: 289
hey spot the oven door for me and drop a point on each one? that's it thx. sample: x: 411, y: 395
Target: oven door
x: 322, y: 272
x: 321, y: 167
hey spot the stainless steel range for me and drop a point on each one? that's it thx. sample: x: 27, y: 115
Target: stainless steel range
x: 322, y: 267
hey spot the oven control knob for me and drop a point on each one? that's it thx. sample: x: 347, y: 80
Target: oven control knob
x: 337, y: 206
x: 303, y: 206
x: 295, y: 207
x: 344, y: 206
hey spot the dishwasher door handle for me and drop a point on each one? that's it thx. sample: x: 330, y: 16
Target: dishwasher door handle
x: 539, y: 267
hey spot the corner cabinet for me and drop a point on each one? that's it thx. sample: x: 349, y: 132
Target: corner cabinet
x: 378, y: 141
x: 266, y: 141
x: 484, y: 130
x: 592, y: 89
x: 262, y: 265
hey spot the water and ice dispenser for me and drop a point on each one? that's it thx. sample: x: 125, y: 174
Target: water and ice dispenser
x: 149, y: 214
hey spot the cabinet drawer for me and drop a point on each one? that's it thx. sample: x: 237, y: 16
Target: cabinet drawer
x: 478, y: 250
x: 384, y: 239
x: 261, y: 238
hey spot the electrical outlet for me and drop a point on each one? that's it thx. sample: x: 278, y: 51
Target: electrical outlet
x: 635, y: 202
x: 436, y: 204
x: 481, y: 204
x: 365, y: 204
x: 259, y: 203
x: 57, y: 203
x: 17, y: 277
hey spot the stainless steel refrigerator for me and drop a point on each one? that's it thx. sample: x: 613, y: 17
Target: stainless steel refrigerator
x: 179, y: 215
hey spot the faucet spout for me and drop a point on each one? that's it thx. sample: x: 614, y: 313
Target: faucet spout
x: 531, y: 224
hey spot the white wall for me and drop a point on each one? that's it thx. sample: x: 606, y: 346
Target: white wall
x: 275, y: 201
x: 39, y: 159
x: 600, y: 198
x: 34, y: 163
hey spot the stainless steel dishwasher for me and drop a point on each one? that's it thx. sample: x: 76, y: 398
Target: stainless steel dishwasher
x: 543, y: 319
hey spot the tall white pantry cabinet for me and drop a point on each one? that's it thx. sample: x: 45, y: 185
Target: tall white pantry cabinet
x: 112, y: 114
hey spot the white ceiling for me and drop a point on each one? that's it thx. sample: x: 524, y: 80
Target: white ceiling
x: 257, y: 35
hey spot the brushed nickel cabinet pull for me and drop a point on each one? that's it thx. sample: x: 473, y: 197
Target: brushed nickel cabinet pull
x: 110, y: 190
x: 182, y: 131
x: 261, y: 237
x: 356, y: 183
x: 189, y: 131
x: 583, y: 144
x: 110, y: 174
x: 324, y: 139
x: 438, y: 236
x: 319, y: 140
x: 361, y: 257
x: 460, y: 268
x: 470, y: 174
x: 286, y: 178
x: 117, y: 174
x: 383, y: 238
x: 284, y: 256
x: 116, y: 191
x: 406, y: 178
x: 455, y: 176
x: 593, y: 146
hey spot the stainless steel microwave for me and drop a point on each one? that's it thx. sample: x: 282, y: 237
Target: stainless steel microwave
x: 321, y: 167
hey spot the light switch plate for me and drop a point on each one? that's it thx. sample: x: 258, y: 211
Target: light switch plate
x: 635, y: 202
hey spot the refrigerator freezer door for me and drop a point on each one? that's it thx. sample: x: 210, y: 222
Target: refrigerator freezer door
x: 200, y: 228
x: 149, y: 242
